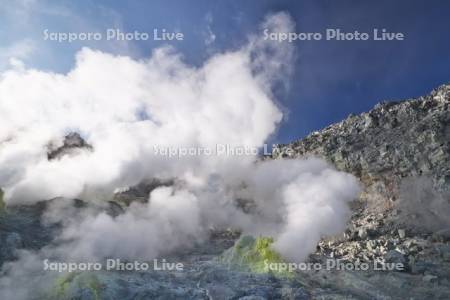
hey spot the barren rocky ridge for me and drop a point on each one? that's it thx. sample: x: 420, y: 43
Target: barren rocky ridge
x: 400, y: 152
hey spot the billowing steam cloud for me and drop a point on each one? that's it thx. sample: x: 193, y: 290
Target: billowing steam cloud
x: 125, y: 108
x: 296, y: 201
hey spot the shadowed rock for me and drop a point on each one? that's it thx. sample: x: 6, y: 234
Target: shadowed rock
x: 73, y: 142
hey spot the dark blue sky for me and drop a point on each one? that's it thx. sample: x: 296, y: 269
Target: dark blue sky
x: 331, y: 79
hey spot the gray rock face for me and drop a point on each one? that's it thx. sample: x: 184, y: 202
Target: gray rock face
x: 393, y: 140
x: 72, y: 143
x: 139, y: 192
x: 400, y: 152
x: 394, y: 256
x: 21, y: 228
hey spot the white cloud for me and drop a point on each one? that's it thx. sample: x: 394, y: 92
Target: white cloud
x: 13, y: 54
x: 210, y: 36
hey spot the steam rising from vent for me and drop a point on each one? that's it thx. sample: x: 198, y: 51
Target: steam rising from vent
x: 122, y: 108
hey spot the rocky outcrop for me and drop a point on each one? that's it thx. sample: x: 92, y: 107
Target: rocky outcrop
x: 72, y: 143
x: 139, y: 192
x: 392, y: 141
x: 400, y: 153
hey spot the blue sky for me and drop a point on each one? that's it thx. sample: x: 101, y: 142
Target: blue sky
x: 331, y: 79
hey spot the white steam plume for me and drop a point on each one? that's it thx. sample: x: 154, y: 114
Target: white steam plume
x: 125, y: 107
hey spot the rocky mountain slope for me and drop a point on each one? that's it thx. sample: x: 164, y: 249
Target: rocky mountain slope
x: 392, y: 141
x: 400, y: 152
